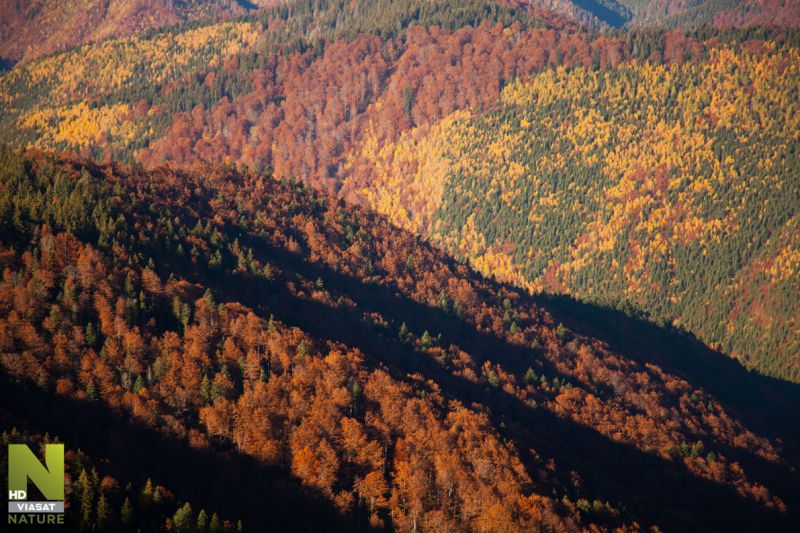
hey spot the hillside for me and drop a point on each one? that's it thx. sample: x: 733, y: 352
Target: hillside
x: 419, y: 265
x: 323, y: 355
x: 670, y: 191
x: 109, y: 495
x: 391, y: 104
x: 30, y: 29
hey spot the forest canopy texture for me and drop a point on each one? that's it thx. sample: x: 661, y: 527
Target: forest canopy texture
x: 416, y: 265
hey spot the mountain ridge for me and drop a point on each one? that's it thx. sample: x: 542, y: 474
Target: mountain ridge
x: 420, y: 335
x: 670, y: 13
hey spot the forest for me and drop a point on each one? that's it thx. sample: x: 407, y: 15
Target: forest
x: 417, y: 265
x: 642, y: 175
x: 679, y: 204
x: 223, y: 317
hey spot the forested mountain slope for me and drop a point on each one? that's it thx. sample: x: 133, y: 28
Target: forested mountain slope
x: 666, y: 186
x: 118, y: 97
x: 237, y: 323
x: 672, y: 190
x: 30, y: 29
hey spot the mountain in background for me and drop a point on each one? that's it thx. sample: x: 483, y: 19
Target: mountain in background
x: 665, y: 190
x: 680, y: 13
x: 30, y: 29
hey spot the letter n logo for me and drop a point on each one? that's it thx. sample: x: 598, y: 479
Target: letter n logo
x: 23, y: 464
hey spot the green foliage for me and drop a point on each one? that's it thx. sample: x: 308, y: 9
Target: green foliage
x: 312, y: 23
x: 492, y: 378
x: 93, y: 505
x: 86, y: 498
x: 402, y: 333
x: 240, y: 343
x: 103, y: 513
x: 668, y: 193
x: 426, y: 340
x: 302, y: 349
x: 182, y: 311
x: 138, y: 384
x: 536, y: 345
x: 43, y: 195
x: 168, y: 69
x: 562, y: 332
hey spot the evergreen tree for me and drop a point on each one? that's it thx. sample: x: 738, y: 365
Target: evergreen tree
x: 492, y: 378
x: 146, y: 497
x: 216, y: 525
x: 302, y: 349
x: 205, y: 390
x: 103, y: 513
x: 562, y: 332
x: 202, y: 521
x: 426, y: 339
x: 403, y: 332
x: 126, y: 513
x: 91, y: 391
x: 86, y: 500
x: 138, y: 385
x: 182, y: 519
x: 91, y: 335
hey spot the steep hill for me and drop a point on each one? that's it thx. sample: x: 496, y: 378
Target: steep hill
x: 218, y: 321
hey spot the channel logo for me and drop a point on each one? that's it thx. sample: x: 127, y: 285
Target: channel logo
x: 48, y: 478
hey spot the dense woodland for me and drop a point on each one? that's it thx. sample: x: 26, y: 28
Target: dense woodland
x: 245, y: 318
x: 392, y: 103
x: 679, y: 203
x: 30, y: 29
x: 417, y: 266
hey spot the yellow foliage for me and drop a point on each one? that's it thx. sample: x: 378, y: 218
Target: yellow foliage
x: 79, y: 125
x: 658, y: 162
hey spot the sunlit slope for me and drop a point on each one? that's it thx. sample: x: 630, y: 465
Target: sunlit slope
x: 671, y: 190
x: 113, y: 98
x: 110, y: 93
x: 30, y: 29
x: 396, y: 105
